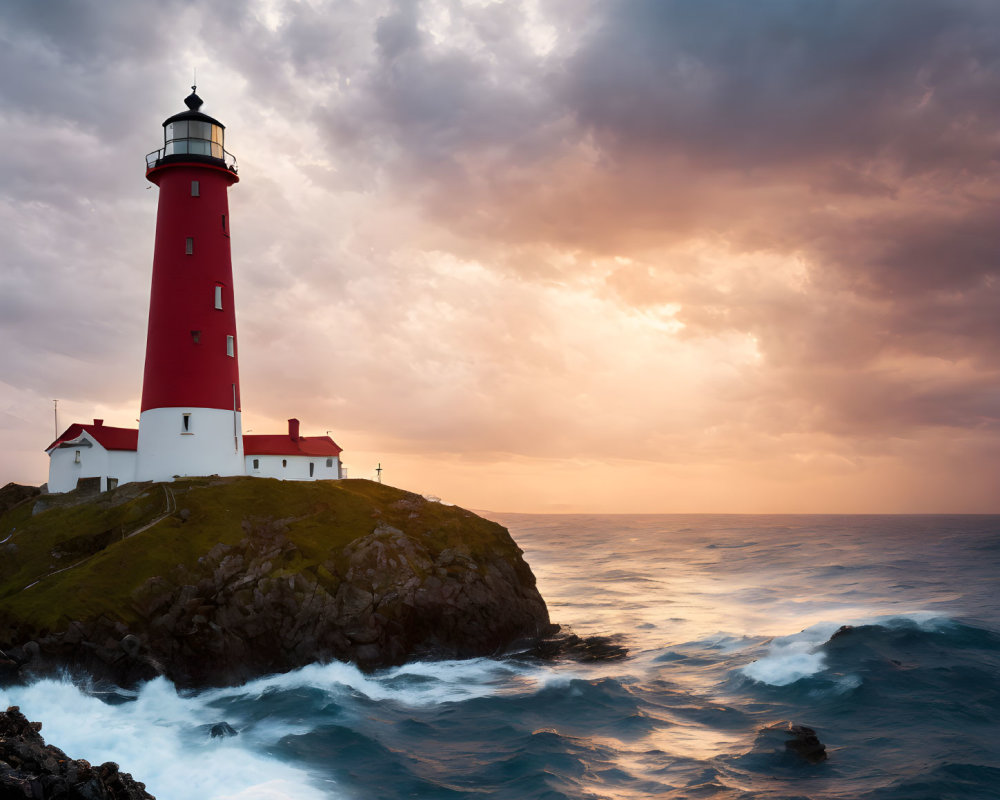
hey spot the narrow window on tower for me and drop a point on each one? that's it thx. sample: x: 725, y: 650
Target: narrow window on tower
x: 218, y: 297
x: 312, y: 467
x: 230, y: 347
x: 256, y: 463
x: 196, y: 336
x: 189, y: 246
x: 195, y: 189
x: 284, y: 462
x: 76, y: 459
x: 185, y: 423
x: 225, y: 229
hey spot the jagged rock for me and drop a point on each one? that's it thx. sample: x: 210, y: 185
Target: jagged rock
x: 222, y: 730
x: 29, y: 768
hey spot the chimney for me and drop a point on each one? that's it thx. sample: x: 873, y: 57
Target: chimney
x: 293, y: 429
x: 98, y: 423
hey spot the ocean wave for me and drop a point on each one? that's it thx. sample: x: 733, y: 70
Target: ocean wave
x: 955, y: 781
x: 161, y: 735
x: 418, y: 683
x: 159, y: 739
x: 801, y: 655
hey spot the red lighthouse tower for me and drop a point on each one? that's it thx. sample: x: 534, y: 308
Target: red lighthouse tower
x: 190, y: 417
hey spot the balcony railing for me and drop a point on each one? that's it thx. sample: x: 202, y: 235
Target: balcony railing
x: 172, y: 149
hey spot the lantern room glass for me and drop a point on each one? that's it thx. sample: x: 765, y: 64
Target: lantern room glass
x: 194, y: 137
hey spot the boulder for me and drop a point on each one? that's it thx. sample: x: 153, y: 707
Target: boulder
x: 29, y: 768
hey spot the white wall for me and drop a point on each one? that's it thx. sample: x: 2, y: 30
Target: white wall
x: 296, y: 468
x: 206, y: 448
x: 165, y: 450
x: 95, y: 462
x: 121, y: 465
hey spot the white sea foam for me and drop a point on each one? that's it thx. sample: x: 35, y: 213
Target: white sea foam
x: 157, y: 739
x: 161, y: 737
x: 420, y: 683
x: 791, y: 658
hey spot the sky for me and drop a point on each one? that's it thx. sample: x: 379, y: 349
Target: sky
x: 567, y: 256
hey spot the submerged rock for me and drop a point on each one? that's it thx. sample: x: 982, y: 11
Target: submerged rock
x: 222, y: 730
x: 799, y: 740
x: 567, y: 645
x: 29, y: 768
x: 271, y: 576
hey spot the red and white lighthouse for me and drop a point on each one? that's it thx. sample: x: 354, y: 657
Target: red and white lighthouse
x: 189, y: 423
x: 190, y: 416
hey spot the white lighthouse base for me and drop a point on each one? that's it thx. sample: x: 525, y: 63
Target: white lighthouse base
x: 181, y: 442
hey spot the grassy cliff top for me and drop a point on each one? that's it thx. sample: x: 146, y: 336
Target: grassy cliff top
x: 89, y: 554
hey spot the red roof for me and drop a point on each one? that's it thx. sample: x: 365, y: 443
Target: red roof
x: 108, y: 437
x: 283, y: 445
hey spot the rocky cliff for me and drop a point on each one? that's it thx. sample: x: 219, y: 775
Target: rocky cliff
x: 213, y: 582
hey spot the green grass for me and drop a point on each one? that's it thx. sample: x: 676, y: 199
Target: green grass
x: 320, y: 518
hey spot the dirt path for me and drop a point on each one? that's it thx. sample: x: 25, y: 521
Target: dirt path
x: 171, y: 506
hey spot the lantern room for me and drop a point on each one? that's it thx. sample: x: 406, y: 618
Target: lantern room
x: 192, y: 136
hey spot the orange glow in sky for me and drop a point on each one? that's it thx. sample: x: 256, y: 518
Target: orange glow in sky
x: 539, y: 256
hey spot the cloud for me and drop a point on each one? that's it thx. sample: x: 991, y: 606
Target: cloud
x: 748, y: 240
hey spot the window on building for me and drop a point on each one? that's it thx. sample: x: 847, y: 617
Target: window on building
x: 185, y: 423
x: 284, y: 462
x: 329, y: 462
x: 76, y: 458
x: 224, y: 228
x: 189, y: 246
x: 230, y: 347
x: 196, y: 336
x: 312, y: 468
x: 256, y: 463
x: 195, y: 189
x: 218, y: 297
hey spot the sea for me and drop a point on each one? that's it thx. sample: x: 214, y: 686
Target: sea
x: 715, y: 629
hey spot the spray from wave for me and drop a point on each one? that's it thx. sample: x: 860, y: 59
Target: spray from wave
x: 800, y: 655
x: 163, y: 738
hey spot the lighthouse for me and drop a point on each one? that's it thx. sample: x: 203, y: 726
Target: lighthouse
x: 189, y: 422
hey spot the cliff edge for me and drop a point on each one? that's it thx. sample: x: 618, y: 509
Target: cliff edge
x: 214, y: 581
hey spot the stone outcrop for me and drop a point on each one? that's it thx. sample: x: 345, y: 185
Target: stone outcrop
x: 31, y: 769
x: 13, y: 494
x: 250, y: 608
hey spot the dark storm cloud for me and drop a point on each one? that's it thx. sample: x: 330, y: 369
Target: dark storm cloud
x: 82, y: 63
x: 951, y: 247
x: 769, y: 83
